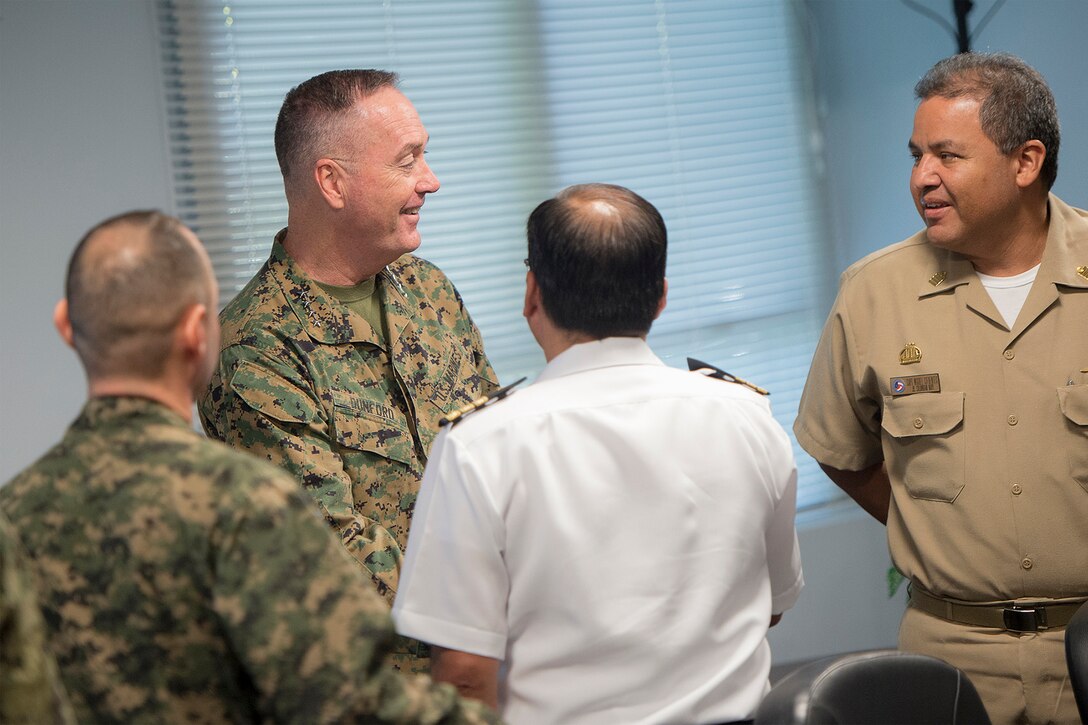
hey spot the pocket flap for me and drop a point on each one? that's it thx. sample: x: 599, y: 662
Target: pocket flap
x: 1073, y: 400
x: 271, y: 395
x: 922, y: 414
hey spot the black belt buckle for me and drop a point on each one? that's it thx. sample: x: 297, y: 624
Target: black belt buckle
x: 1024, y: 619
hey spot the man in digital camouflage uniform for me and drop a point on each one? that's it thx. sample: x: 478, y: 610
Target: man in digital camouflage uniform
x: 181, y: 580
x: 343, y: 352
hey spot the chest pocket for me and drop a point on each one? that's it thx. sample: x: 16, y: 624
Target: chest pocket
x: 925, y: 445
x: 362, y: 424
x: 271, y: 395
x: 1073, y: 401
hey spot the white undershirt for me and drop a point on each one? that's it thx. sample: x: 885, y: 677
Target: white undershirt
x: 1009, y: 293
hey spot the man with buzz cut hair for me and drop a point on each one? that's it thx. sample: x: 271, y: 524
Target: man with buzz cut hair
x: 949, y: 392
x: 181, y: 580
x: 343, y: 352
x: 611, y: 543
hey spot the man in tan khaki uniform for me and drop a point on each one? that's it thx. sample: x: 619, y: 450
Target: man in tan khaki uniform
x: 949, y: 393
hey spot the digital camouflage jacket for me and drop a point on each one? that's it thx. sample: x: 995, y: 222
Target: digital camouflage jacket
x: 184, y: 581
x: 302, y: 382
x: 30, y: 687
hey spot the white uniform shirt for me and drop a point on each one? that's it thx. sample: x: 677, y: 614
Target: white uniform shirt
x: 618, y: 533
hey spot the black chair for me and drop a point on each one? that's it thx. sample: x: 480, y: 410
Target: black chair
x: 881, y: 687
x: 1076, y: 656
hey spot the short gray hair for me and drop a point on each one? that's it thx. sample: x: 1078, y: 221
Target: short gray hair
x: 1016, y: 102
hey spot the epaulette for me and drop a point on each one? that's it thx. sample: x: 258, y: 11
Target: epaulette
x: 698, y: 366
x: 493, y: 397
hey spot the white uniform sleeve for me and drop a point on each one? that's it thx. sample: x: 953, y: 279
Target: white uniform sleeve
x: 453, y: 587
x: 783, y: 552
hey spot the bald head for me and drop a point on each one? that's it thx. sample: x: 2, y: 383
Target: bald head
x: 598, y: 253
x: 130, y: 281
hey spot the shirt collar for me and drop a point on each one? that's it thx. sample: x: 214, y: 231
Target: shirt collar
x: 111, y: 409
x: 1066, y: 246
x: 609, y: 352
x: 323, y: 317
x: 1067, y: 237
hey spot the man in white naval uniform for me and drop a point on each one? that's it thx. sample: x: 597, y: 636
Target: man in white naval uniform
x: 610, y: 544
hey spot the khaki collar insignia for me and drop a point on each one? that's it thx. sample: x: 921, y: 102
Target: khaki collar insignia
x: 910, y: 354
x: 1082, y: 271
x: 936, y: 280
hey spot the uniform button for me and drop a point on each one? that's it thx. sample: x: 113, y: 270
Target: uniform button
x: 918, y: 423
x: 1026, y: 563
x: 1017, y: 489
x: 1013, y: 420
x: 1009, y: 354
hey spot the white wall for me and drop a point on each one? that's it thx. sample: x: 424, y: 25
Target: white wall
x: 82, y: 137
x: 845, y: 605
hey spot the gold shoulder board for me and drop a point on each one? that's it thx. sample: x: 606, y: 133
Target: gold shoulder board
x: 493, y: 397
x: 702, y: 368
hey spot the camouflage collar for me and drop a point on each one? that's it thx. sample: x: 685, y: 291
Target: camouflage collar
x: 395, y: 303
x: 106, y: 410
x: 323, y: 318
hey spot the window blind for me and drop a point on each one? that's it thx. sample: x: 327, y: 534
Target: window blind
x: 698, y: 105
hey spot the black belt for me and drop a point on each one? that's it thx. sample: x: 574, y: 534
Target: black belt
x: 1009, y: 616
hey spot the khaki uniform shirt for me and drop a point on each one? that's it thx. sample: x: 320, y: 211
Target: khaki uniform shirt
x: 983, y: 429
x: 303, y: 382
x: 186, y: 582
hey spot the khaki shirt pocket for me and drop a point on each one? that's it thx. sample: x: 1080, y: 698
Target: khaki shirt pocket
x: 371, y: 426
x: 924, y: 446
x: 1073, y: 400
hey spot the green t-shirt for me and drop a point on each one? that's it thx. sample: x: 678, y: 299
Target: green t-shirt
x: 363, y: 300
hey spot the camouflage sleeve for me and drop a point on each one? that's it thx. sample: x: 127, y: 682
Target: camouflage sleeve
x: 267, y: 407
x: 30, y: 687
x: 311, y: 632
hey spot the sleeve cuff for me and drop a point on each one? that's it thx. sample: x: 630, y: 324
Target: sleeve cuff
x: 845, y: 459
x: 449, y: 634
x: 785, y: 600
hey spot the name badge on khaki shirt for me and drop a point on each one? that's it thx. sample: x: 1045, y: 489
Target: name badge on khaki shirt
x: 910, y: 384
